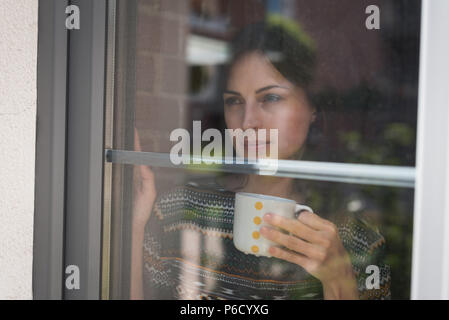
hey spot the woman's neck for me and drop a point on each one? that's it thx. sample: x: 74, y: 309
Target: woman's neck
x: 273, y: 186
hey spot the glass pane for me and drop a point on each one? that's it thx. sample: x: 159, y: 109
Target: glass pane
x: 316, y: 81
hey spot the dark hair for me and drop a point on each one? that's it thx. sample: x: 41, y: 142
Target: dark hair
x: 291, y: 52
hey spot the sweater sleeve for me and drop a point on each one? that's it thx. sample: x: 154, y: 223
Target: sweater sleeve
x: 156, y: 275
x: 366, y: 247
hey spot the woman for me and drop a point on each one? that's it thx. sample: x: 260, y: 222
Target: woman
x: 186, y: 235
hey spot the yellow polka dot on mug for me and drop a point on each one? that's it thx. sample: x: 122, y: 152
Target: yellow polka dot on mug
x: 257, y: 220
x: 258, y: 205
x: 255, y: 249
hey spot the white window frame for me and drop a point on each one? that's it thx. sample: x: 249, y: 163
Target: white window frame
x: 430, y: 257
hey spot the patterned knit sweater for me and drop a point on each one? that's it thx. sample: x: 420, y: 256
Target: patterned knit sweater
x: 189, y: 254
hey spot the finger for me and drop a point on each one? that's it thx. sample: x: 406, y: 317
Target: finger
x: 293, y: 243
x: 289, y: 256
x: 293, y: 226
x: 313, y: 220
x: 145, y: 171
x: 325, y: 227
x: 137, y: 146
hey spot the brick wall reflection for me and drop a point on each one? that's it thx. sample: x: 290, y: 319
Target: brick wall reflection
x: 161, y: 71
x: 351, y: 61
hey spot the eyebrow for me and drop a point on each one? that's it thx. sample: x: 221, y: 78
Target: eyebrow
x: 257, y: 91
x: 270, y: 87
x: 232, y: 92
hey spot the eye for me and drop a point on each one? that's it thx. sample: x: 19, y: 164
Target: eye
x: 271, y: 97
x: 231, y: 101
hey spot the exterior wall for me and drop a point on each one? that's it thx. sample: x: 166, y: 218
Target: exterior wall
x: 18, y: 58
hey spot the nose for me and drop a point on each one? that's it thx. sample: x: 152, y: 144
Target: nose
x: 252, y: 118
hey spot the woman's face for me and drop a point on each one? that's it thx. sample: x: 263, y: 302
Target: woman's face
x: 259, y: 97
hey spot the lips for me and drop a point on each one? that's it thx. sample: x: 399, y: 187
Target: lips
x: 258, y: 143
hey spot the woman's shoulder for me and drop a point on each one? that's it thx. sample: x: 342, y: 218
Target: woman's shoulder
x: 195, y: 189
x: 197, y: 194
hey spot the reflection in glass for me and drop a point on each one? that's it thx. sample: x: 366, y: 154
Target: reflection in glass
x: 333, y: 90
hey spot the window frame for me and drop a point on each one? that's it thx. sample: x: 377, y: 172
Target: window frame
x: 430, y: 256
x: 72, y: 87
x: 48, y: 237
x: 68, y: 203
x: 85, y: 145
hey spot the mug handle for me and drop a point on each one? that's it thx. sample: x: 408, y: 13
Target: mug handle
x: 300, y: 207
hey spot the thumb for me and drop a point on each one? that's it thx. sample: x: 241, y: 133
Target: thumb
x: 145, y: 171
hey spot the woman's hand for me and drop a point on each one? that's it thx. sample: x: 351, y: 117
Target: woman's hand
x: 144, y: 189
x: 144, y: 197
x: 314, y: 244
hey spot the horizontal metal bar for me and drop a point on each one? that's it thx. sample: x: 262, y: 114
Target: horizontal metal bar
x: 392, y: 176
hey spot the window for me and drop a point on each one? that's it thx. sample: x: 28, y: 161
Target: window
x: 365, y: 91
x: 347, y: 121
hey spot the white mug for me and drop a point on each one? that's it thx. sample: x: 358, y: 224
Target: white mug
x: 249, y: 210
